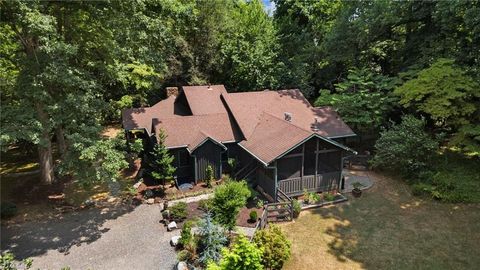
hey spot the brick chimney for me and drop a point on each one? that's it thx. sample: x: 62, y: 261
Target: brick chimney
x: 172, y: 91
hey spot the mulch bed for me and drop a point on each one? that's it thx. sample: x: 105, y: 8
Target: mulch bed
x: 243, y: 218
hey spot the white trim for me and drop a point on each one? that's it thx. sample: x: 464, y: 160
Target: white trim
x: 229, y: 142
x: 248, y: 151
x: 204, y: 141
x: 177, y: 146
x: 318, y: 136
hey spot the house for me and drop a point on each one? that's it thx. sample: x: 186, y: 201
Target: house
x: 277, y: 138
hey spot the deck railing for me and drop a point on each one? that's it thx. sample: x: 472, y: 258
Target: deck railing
x: 297, y: 185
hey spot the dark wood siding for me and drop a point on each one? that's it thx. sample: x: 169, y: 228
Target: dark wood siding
x: 266, y: 179
x: 208, y: 153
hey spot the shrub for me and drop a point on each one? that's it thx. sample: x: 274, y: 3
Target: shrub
x: 186, y: 235
x: 243, y: 255
x: 206, y: 204
x: 212, y: 240
x: 184, y: 255
x: 275, y: 246
x: 328, y: 197
x: 405, y: 148
x: 209, y: 176
x: 253, y: 215
x: 178, y: 211
x: 8, y: 209
x: 260, y: 204
x: 227, y: 201
x: 297, y: 207
x: 8, y: 262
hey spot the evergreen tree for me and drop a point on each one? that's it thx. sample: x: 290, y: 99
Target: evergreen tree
x: 212, y: 240
x: 160, y: 160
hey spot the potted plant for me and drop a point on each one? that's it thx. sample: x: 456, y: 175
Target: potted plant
x: 356, y: 191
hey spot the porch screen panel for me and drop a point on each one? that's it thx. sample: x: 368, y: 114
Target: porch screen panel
x: 289, y: 167
x: 310, y: 147
x: 329, y: 162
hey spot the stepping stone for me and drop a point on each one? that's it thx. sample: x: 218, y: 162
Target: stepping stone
x: 174, y: 241
x: 172, y: 226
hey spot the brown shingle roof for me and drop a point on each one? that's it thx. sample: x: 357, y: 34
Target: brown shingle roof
x: 272, y: 136
x: 260, y: 116
x: 137, y: 118
x: 247, y: 108
x: 189, y: 131
x: 205, y: 99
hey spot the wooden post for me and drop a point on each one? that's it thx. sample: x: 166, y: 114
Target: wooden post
x: 316, y: 162
x: 303, y: 164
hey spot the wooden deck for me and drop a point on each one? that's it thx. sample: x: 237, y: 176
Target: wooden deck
x: 319, y: 183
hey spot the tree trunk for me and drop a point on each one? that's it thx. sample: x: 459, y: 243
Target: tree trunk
x: 46, y: 163
x: 61, y: 144
x: 45, y: 148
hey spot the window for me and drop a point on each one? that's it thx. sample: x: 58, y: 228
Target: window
x: 183, y: 158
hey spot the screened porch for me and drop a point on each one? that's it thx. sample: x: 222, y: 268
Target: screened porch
x: 314, y: 166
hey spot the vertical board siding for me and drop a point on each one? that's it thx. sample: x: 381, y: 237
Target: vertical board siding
x: 208, y: 154
x: 266, y: 181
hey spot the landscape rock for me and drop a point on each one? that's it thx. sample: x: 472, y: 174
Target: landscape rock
x: 182, y: 266
x: 136, y: 185
x: 172, y: 226
x: 112, y: 199
x: 151, y: 201
x: 174, y: 241
x: 89, y: 203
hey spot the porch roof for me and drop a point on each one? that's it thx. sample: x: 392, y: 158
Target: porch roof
x: 273, y: 137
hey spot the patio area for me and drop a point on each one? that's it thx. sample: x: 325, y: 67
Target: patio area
x: 360, y: 176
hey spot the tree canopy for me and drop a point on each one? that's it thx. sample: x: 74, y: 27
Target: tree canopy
x: 68, y: 68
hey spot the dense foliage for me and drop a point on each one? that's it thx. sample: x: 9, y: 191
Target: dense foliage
x: 68, y: 68
x: 405, y: 148
x: 275, y: 246
x: 227, y: 201
x: 243, y: 255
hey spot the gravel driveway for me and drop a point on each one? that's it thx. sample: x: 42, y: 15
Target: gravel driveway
x: 117, y: 238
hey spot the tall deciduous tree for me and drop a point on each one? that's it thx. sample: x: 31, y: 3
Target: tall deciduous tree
x: 450, y: 97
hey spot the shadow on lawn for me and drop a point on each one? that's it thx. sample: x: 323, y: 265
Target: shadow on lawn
x: 389, y: 228
x: 61, y: 233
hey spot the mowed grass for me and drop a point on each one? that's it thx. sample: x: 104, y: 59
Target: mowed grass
x: 387, y: 228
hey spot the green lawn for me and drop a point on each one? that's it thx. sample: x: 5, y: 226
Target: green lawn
x: 387, y: 228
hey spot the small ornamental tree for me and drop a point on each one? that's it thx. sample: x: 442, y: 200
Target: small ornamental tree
x: 405, y: 148
x: 212, y: 240
x: 228, y: 199
x: 275, y: 245
x: 209, y: 176
x: 134, y: 151
x: 160, y: 160
x: 243, y: 255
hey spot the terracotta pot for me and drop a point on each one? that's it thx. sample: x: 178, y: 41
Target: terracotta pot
x: 356, y: 192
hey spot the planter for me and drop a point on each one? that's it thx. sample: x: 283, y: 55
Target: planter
x: 356, y: 192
